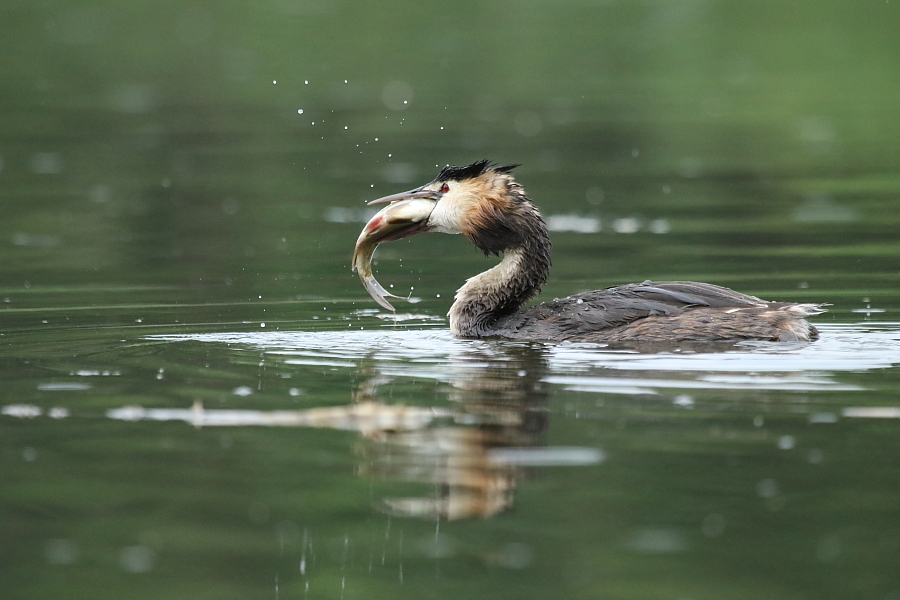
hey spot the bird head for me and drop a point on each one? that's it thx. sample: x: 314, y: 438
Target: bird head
x: 479, y: 200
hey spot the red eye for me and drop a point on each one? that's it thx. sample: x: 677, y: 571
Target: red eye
x: 445, y: 188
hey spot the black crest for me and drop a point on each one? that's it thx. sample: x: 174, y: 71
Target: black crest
x: 476, y: 169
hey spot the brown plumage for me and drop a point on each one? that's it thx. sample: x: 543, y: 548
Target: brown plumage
x: 487, y: 205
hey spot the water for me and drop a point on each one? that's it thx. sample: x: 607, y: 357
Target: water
x: 395, y: 457
x: 198, y: 398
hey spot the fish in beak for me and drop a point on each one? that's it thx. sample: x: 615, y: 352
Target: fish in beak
x: 406, y: 215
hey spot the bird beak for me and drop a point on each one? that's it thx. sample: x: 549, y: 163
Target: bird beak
x: 397, y: 221
x: 401, y: 219
x: 411, y: 194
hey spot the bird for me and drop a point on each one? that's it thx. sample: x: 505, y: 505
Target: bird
x: 484, y: 202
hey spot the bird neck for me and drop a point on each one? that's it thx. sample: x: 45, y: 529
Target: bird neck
x: 501, y: 290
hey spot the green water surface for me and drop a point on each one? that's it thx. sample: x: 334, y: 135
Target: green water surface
x: 199, y: 400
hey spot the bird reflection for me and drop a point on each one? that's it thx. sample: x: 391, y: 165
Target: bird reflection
x: 471, y: 453
x: 501, y: 403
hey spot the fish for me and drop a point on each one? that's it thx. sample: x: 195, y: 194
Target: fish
x: 362, y: 264
x: 396, y: 221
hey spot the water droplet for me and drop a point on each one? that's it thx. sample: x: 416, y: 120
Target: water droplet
x: 58, y: 412
x: 137, y: 559
x: 829, y: 548
x: 713, y: 525
x: 60, y: 551
x: 786, y: 442
x: 767, y: 488
x: 684, y: 401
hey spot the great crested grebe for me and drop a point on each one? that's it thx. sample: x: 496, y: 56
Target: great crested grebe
x: 486, y: 204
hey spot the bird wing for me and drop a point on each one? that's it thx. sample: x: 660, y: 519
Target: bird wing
x: 690, y: 292
x: 620, y: 305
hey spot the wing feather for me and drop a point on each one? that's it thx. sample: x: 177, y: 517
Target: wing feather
x: 620, y: 305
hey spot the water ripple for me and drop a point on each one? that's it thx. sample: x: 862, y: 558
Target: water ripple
x: 436, y: 355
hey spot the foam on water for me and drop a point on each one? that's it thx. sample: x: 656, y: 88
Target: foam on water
x: 435, y: 354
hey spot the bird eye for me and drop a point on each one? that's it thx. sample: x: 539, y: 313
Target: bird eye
x: 445, y: 188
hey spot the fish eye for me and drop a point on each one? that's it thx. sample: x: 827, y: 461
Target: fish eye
x: 445, y: 188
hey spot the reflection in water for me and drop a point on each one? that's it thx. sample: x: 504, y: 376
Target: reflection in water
x: 500, y: 403
x: 469, y: 446
x: 366, y: 418
x: 712, y: 457
x: 471, y: 453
